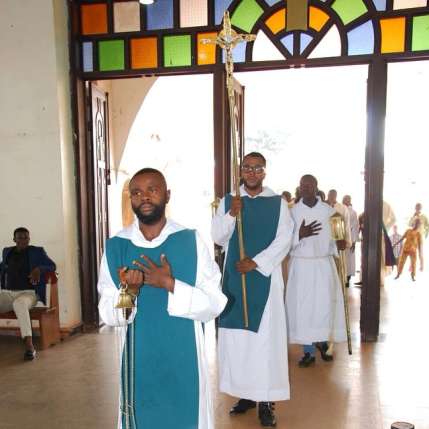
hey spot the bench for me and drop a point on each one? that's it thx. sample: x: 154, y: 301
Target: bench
x: 48, y: 317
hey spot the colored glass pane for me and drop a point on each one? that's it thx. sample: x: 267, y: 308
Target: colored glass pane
x: 392, y: 35
x: 288, y: 42
x: 177, y: 51
x: 193, y: 13
x: 277, y: 21
x: 246, y: 15
x: 126, y: 16
x: 238, y: 53
x: 88, y: 64
x: 111, y: 55
x: 220, y: 7
x: 264, y: 49
x: 379, y: 4
x: 144, y: 53
x: 317, y: 18
x: 420, y: 37
x: 329, y: 46
x: 361, y: 39
x: 297, y: 15
x: 405, y: 4
x: 94, y: 18
x: 206, y: 52
x: 349, y: 10
x: 160, y: 15
x: 272, y: 2
x: 305, y: 40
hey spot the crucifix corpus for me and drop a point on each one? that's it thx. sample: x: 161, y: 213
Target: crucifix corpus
x: 227, y: 39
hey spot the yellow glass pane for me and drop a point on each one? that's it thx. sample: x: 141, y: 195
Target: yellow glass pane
x: 317, y: 18
x: 277, y: 21
x: 206, y: 52
x: 392, y: 35
x: 94, y: 18
x: 144, y: 53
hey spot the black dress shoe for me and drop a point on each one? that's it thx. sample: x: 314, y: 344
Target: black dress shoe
x: 306, y: 360
x: 242, y: 406
x: 323, y: 348
x: 266, y: 414
x: 29, y: 354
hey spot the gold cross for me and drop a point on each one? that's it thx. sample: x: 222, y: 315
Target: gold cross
x: 228, y: 39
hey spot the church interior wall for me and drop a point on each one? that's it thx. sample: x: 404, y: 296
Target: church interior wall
x: 37, y: 166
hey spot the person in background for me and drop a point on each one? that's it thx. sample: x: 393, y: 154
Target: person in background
x: 22, y: 282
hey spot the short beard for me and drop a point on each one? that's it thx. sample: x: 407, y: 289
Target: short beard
x: 253, y: 187
x: 151, y: 218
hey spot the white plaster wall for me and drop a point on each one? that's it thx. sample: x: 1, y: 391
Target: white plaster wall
x: 36, y: 149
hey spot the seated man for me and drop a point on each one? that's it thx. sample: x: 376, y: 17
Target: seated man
x: 22, y: 282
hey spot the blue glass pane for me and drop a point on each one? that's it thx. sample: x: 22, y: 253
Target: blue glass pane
x: 288, y: 42
x: 238, y: 53
x: 160, y: 15
x: 220, y: 7
x: 379, y: 4
x: 88, y: 65
x: 305, y: 40
x: 271, y: 2
x: 361, y: 39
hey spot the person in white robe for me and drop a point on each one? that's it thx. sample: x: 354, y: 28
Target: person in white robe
x: 175, y: 286
x: 253, y: 361
x: 314, y: 299
x: 354, y: 237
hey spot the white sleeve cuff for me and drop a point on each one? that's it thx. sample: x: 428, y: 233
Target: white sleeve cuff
x: 180, y: 302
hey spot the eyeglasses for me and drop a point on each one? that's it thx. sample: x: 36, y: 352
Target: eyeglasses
x: 257, y: 169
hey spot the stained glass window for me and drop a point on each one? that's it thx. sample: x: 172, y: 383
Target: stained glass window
x: 88, y: 65
x: 206, y: 52
x: 264, y: 49
x: 111, y: 55
x: 405, y: 4
x: 420, y: 35
x: 379, y: 4
x: 160, y: 15
x: 126, y: 16
x: 392, y: 35
x: 238, y: 53
x: 246, y: 15
x: 361, y: 39
x: 94, y: 18
x: 349, y: 10
x: 220, y: 7
x: 277, y: 21
x: 193, y: 13
x: 329, y: 46
x: 288, y: 42
x: 177, y: 50
x: 144, y: 53
x: 305, y: 40
x: 317, y: 18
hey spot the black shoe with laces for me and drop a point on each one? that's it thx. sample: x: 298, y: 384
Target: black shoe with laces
x: 306, y: 360
x: 242, y: 406
x: 323, y: 348
x: 266, y: 414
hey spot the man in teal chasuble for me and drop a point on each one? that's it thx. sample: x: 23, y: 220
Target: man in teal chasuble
x: 176, y: 286
x: 253, y: 363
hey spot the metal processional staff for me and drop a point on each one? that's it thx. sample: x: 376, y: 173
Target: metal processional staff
x: 227, y: 39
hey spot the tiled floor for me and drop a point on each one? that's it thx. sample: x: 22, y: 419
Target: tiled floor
x: 74, y: 384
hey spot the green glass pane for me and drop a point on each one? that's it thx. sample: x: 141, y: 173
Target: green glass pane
x: 177, y: 51
x: 246, y: 15
x: 111, y: 55
x: 349, y: 10
x: 420, y: 40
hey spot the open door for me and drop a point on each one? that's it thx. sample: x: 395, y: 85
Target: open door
x: 101, y: 168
